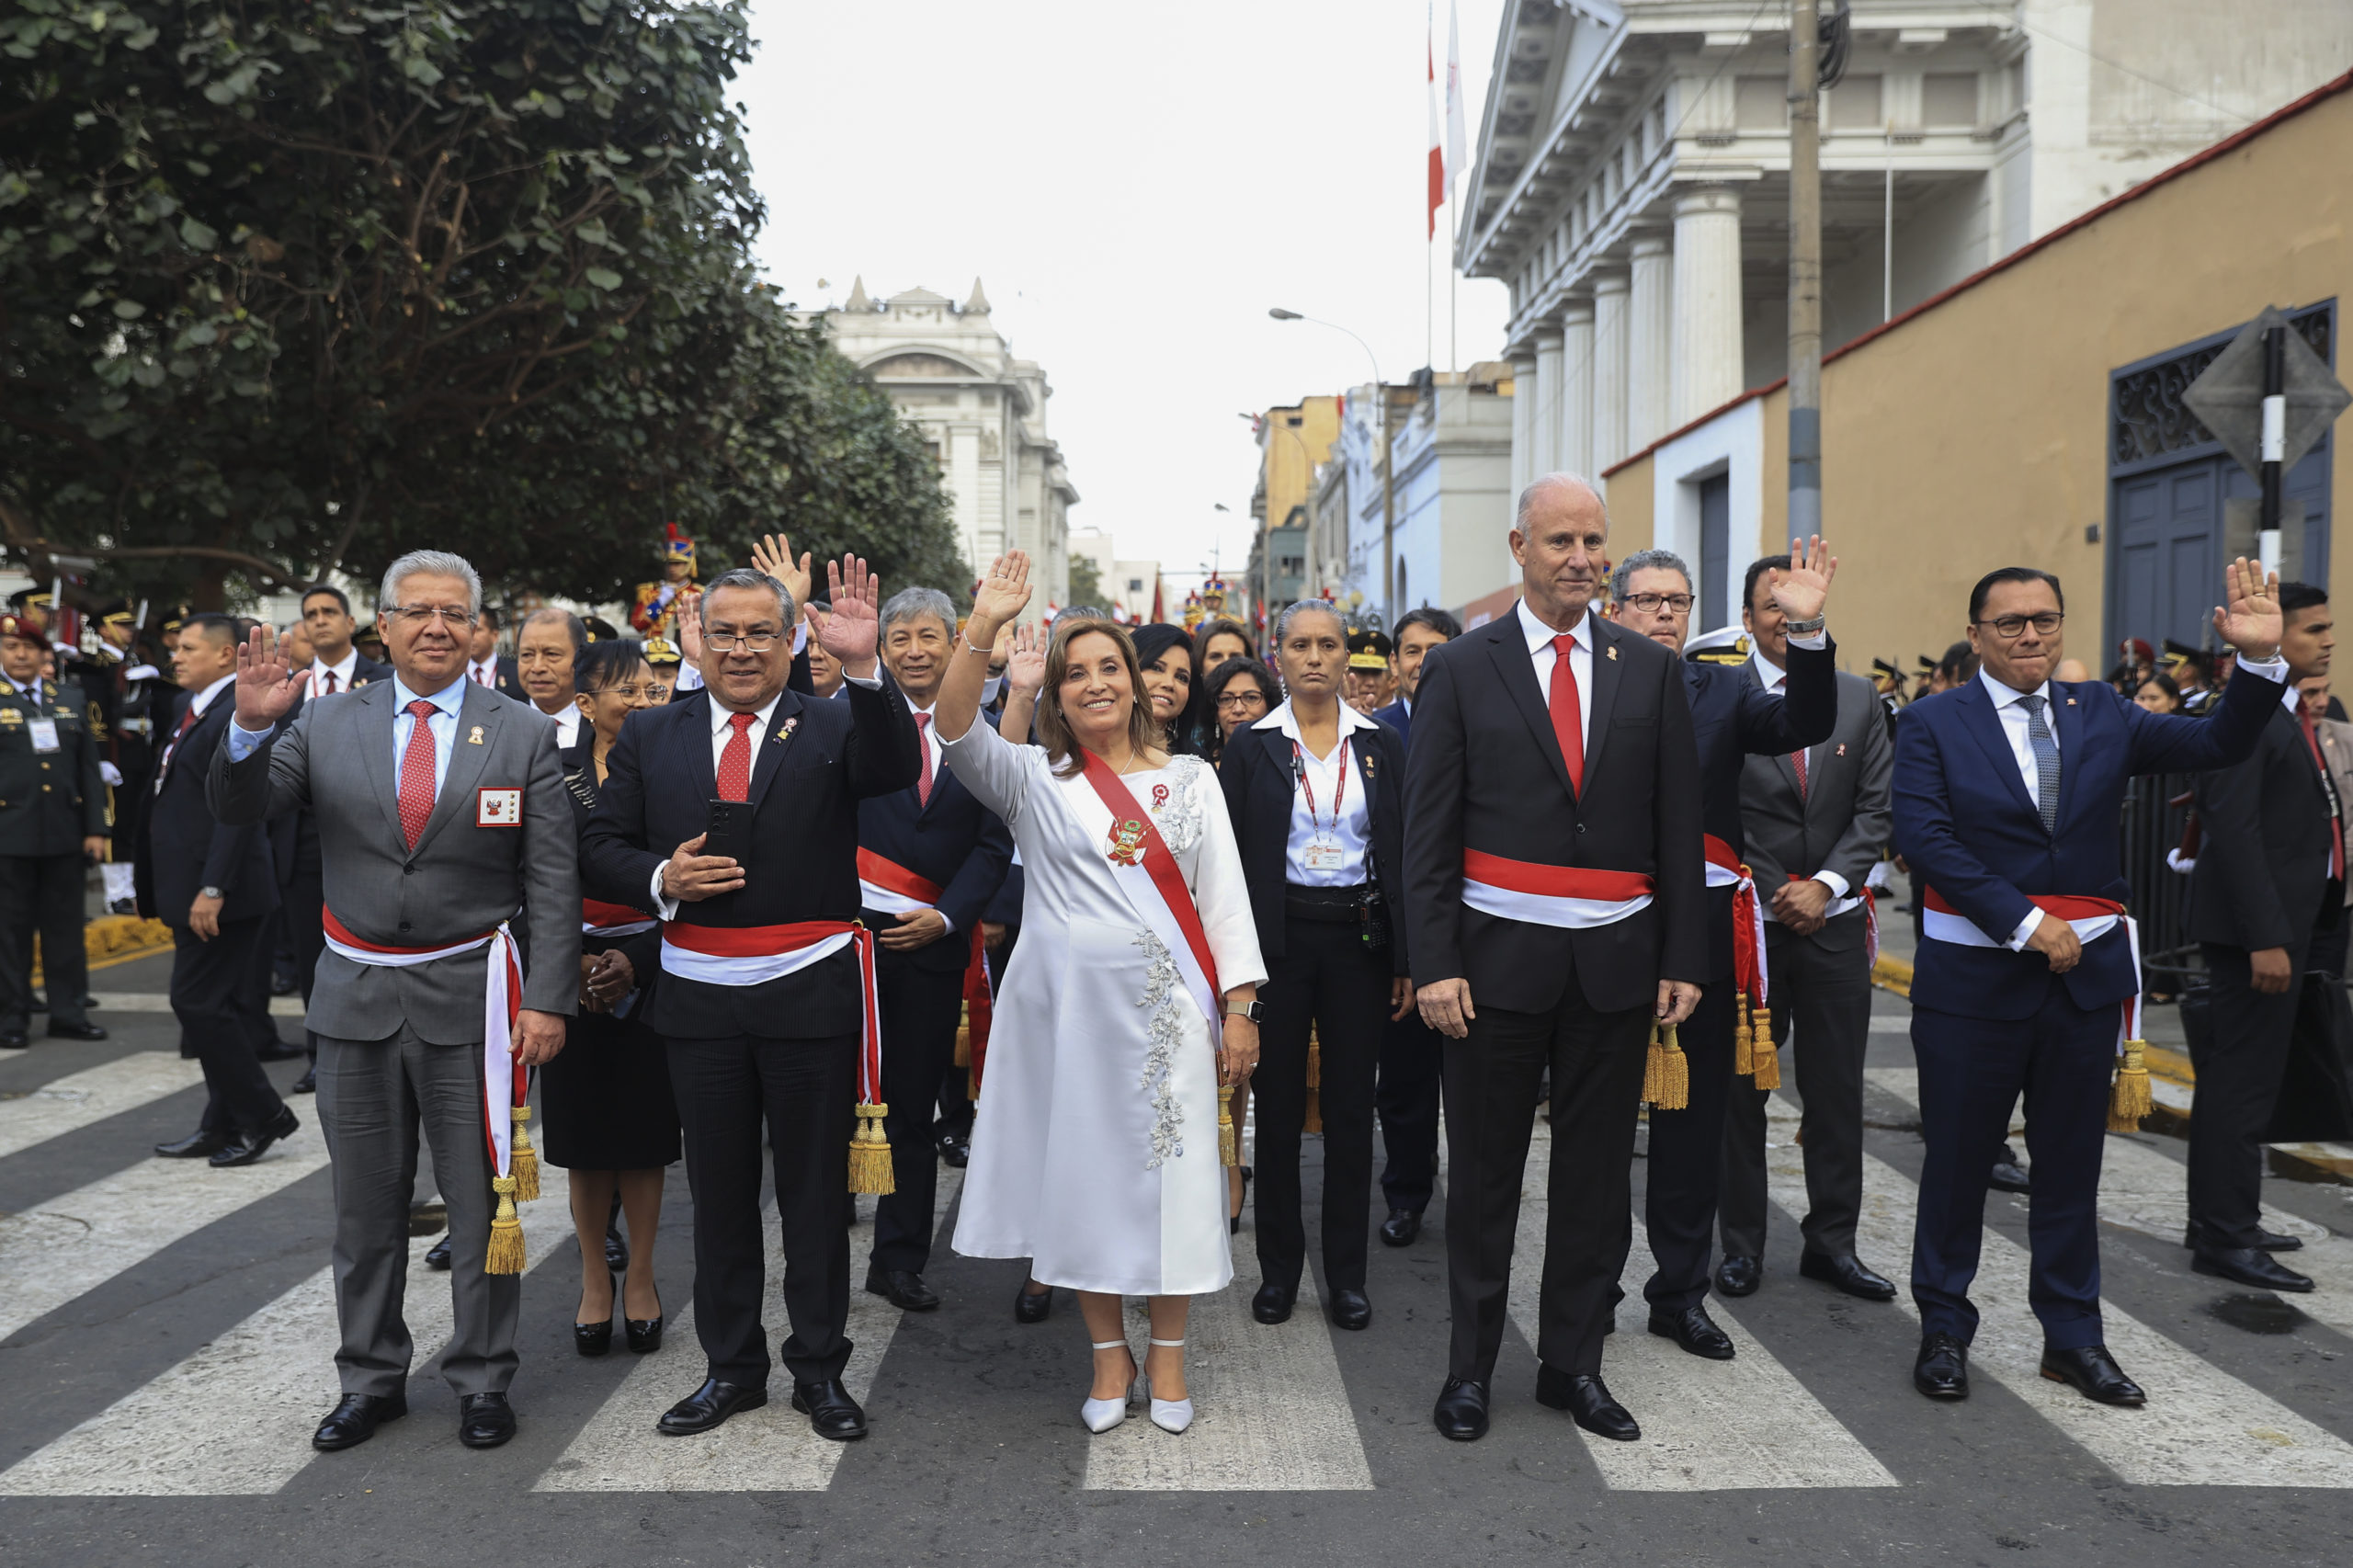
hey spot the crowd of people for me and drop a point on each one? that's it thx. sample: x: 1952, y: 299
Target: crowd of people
x: 856, y: 884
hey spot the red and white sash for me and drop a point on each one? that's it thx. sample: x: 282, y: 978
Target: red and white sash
x: 1725, y: 870
x: 2089, y: 918
x: 891, y: 888
x: 750, y: 955
x: 598, y: 918
x: 1567, y: 896
x: 505, y: 1082
x: 1146, y: 870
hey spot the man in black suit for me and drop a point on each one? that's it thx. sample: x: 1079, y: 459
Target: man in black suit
x: 215, y: 887
x: 1732, y: 719
x: 1558, y: 912
x: 1817, y: 823
x: 2269, y: 887
x: 929, y: 859
x: 485, y: 666
x: 1407, y: 1098
x: 764, y: 1022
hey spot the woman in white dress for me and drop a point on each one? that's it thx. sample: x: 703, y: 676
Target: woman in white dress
x: 1095, y: 1150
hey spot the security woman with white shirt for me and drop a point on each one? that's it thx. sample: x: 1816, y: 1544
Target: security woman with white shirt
x: 1316, y: 793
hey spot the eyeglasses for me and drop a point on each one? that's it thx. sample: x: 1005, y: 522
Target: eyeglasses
x: 2009, y: 628
x: 418, y: 615
x: 627, y: 690
x: 1648, y: 603
x: 1242, y: 699
x: 750, y: 642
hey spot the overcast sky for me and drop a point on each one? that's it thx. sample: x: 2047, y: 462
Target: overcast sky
x: 1134, y: 185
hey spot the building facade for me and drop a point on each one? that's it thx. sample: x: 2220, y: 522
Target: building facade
x: 983, y: 412
x: 1128, y: 585
x: 1633, y: 181
x: 1293, y: 440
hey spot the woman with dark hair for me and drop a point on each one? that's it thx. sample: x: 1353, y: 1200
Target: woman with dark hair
x: 611, y: 1120
x: 1226, y: 707
x: 1129, y: 1001
x: 1217, y: 639
x: 1165, y: 659
x: 2157, y: 693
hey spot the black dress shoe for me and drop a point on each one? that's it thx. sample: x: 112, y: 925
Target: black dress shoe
x: 2248, y: 1266
x: 1586, y: 1398
x: 278, y: 1050
x: 955, y: 1149
x: 355, y: 1418
x: 831, y: 1411
x: 308, y: 1084
x: 1694, y: 1330
x: 74, y: 1031
x: 1271, y: 1304
x: 2093, y: 1372
x: 15, y: 1039
x: 1350, y: 1309
x: 2265, y: 1241
x: 201, y: 1144
x: 1461, y: 1410
x: 708, y: 1406
x: 484, y: 1420
x: 1739, y: 1274
x: 642, y: 1334
x: 902, y: 1288
x: 615, y: 1252
x: 1846, y: 1271
x: 1031, y: 1306
x: 2008, y: 1174
x: 1942, y: 1370
x: 1401, y: 1226
x: 438, y: 1255
x: 252, y: 1146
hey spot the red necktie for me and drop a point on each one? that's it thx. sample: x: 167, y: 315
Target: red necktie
x: 1566, y: 726
x: 329, y: 679
x: 2335, y: 824
x: 1797, y: 760
x: 923, y: 785
x: 416, y: 774
x: 736, y: 761
x: 188, y: 718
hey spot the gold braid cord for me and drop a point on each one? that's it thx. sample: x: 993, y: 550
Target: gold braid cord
x: 869, y: 1154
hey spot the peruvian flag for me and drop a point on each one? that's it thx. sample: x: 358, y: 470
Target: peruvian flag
x: 1438, y: 149
x: 1453, y: 94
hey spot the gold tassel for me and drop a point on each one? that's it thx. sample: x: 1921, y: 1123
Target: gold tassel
x: 869, y: 1154
x: 971, y: 1086
x: 2130, y: 1101
x: 1314, y: 1084
x: 526, y: 1159
x: 506, y: 1232
x: 1744, y: 1058
x: 1666, y: 1072
x: 1229, y: 1137
x: 964, y: 1038
x: 1765, y: 1060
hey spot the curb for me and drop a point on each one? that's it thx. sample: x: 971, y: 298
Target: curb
x: 119, y: 938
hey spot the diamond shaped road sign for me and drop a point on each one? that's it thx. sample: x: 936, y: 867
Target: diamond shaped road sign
x: 2228, y: 396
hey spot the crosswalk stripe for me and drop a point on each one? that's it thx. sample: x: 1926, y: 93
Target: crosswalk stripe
x: 1707, y: 1426
x: 236, y: 1417
x: 161, y: 1001
x: 767, y: 1450
x: 1271, y: 1412
x: 76, y: 1100
x: 2201, y: 1426
x: 78, y: 1241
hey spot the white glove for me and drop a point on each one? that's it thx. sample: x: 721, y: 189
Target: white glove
x: 112, y: 774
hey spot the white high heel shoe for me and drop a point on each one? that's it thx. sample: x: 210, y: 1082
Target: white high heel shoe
x: 1102, y: 1414
x: 1169, y: 1415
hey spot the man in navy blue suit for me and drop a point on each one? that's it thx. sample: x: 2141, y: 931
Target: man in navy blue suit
x: 2006, y: 794
x: 929, y: 859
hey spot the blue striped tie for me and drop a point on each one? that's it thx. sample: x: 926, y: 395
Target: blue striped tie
x: 2046, y: 762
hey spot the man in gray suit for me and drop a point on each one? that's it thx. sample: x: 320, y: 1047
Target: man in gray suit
x: 1817, y: 822
x: 441, y: 817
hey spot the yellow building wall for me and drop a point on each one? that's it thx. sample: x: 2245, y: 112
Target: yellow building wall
x: 1289, y: 465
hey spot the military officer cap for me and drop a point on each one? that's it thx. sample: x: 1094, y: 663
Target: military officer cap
x: 661, y: 653
x: 1724, y: 645
x: 114, y: 612
x: 1369, y: 648
x: 599, y: 629
x: 20, y: 626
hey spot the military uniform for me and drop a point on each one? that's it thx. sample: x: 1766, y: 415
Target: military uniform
x: 52, y: 798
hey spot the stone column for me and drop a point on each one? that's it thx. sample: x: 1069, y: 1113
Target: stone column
x: 1523, y: 424
x: 1708, y: 343
x: 1548, y: 398
x: 1575, y: 446
x: 1610, y: 290
x: 1650, y: 341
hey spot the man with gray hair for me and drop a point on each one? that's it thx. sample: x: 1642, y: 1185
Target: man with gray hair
x: 441, y: 813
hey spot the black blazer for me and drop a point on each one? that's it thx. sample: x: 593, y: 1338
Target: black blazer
x: 183, y: 848
x: 1485, y: 772
x: 955, y: 841
x: 644, y: 950
x: 818, y: 760
x: 2263, y: 866
x: 1259, y: 785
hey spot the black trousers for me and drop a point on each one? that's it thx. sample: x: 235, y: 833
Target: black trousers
x: 804, y: 1090
x: 43, y: 892
x: 220, y: 995
x: 1687, y: 1158
x: 919, y: 1011
x: 303, y: 911
x: 1827, y: 997
x: 2239, y: 1070
x: 1329, y: 980
x: 1596, y: 1060
x: 1408, y: 1102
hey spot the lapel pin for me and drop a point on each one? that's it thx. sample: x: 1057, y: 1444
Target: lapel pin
x: 1842, y: 748
x: 1371, y: 766
x: 474, y: 739
x: 1613, y: 650
x: 785, y: 733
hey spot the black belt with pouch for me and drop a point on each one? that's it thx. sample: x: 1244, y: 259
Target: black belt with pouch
x: 1361, y: 906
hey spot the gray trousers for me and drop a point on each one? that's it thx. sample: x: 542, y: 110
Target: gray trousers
x: 1828, y: 996
x: 373, y: 1096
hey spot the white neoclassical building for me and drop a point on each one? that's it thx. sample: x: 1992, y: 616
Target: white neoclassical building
x: 983, y: 412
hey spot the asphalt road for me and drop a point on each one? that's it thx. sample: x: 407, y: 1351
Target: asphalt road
x: 165, y: 1334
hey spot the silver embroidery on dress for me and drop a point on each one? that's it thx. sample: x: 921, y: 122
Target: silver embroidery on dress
x: 1163, y: 993
x: 1185, y: 816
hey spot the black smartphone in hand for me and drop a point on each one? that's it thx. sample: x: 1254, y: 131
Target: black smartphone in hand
x: 729, y: 832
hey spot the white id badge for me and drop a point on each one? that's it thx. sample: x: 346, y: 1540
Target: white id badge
x: 44, y: 733
x: 499, y: 808
x: 1324, y: 857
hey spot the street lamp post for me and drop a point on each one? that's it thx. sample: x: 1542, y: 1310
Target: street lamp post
x: 1388, y: 490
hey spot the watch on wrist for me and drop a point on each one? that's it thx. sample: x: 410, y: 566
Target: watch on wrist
x: 1253, y: 1011
x: 1805, y: 628
x: 210, y: 893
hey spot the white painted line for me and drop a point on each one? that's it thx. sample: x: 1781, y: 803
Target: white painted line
x: 1270, y: 1411
x: 236, y: 1418
x: 161, y: 1001
x: 92, y: 1095
x: 767, y: 1450
x: 1707, y: 1426
x: 2200, y: 1428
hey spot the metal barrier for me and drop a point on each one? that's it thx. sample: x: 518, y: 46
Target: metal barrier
x: 2155, y: 806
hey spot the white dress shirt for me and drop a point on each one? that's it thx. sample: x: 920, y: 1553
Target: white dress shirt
x: 196, y: 707
x: 1776, y: 680
x: 483, y: 672
x: 1328, y: 782
x: 342, y: 672
x: 567, y: 727
x: 1541, y: 654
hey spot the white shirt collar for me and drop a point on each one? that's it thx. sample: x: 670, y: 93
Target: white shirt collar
x: 2006, y: 695
x: 1539, y: 635
x: 1286, y: 720
x: 1769, y: 674
x: 449, y: 699
x: 203, y: 699
x: 720, y: 715
x: 342, y: 672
